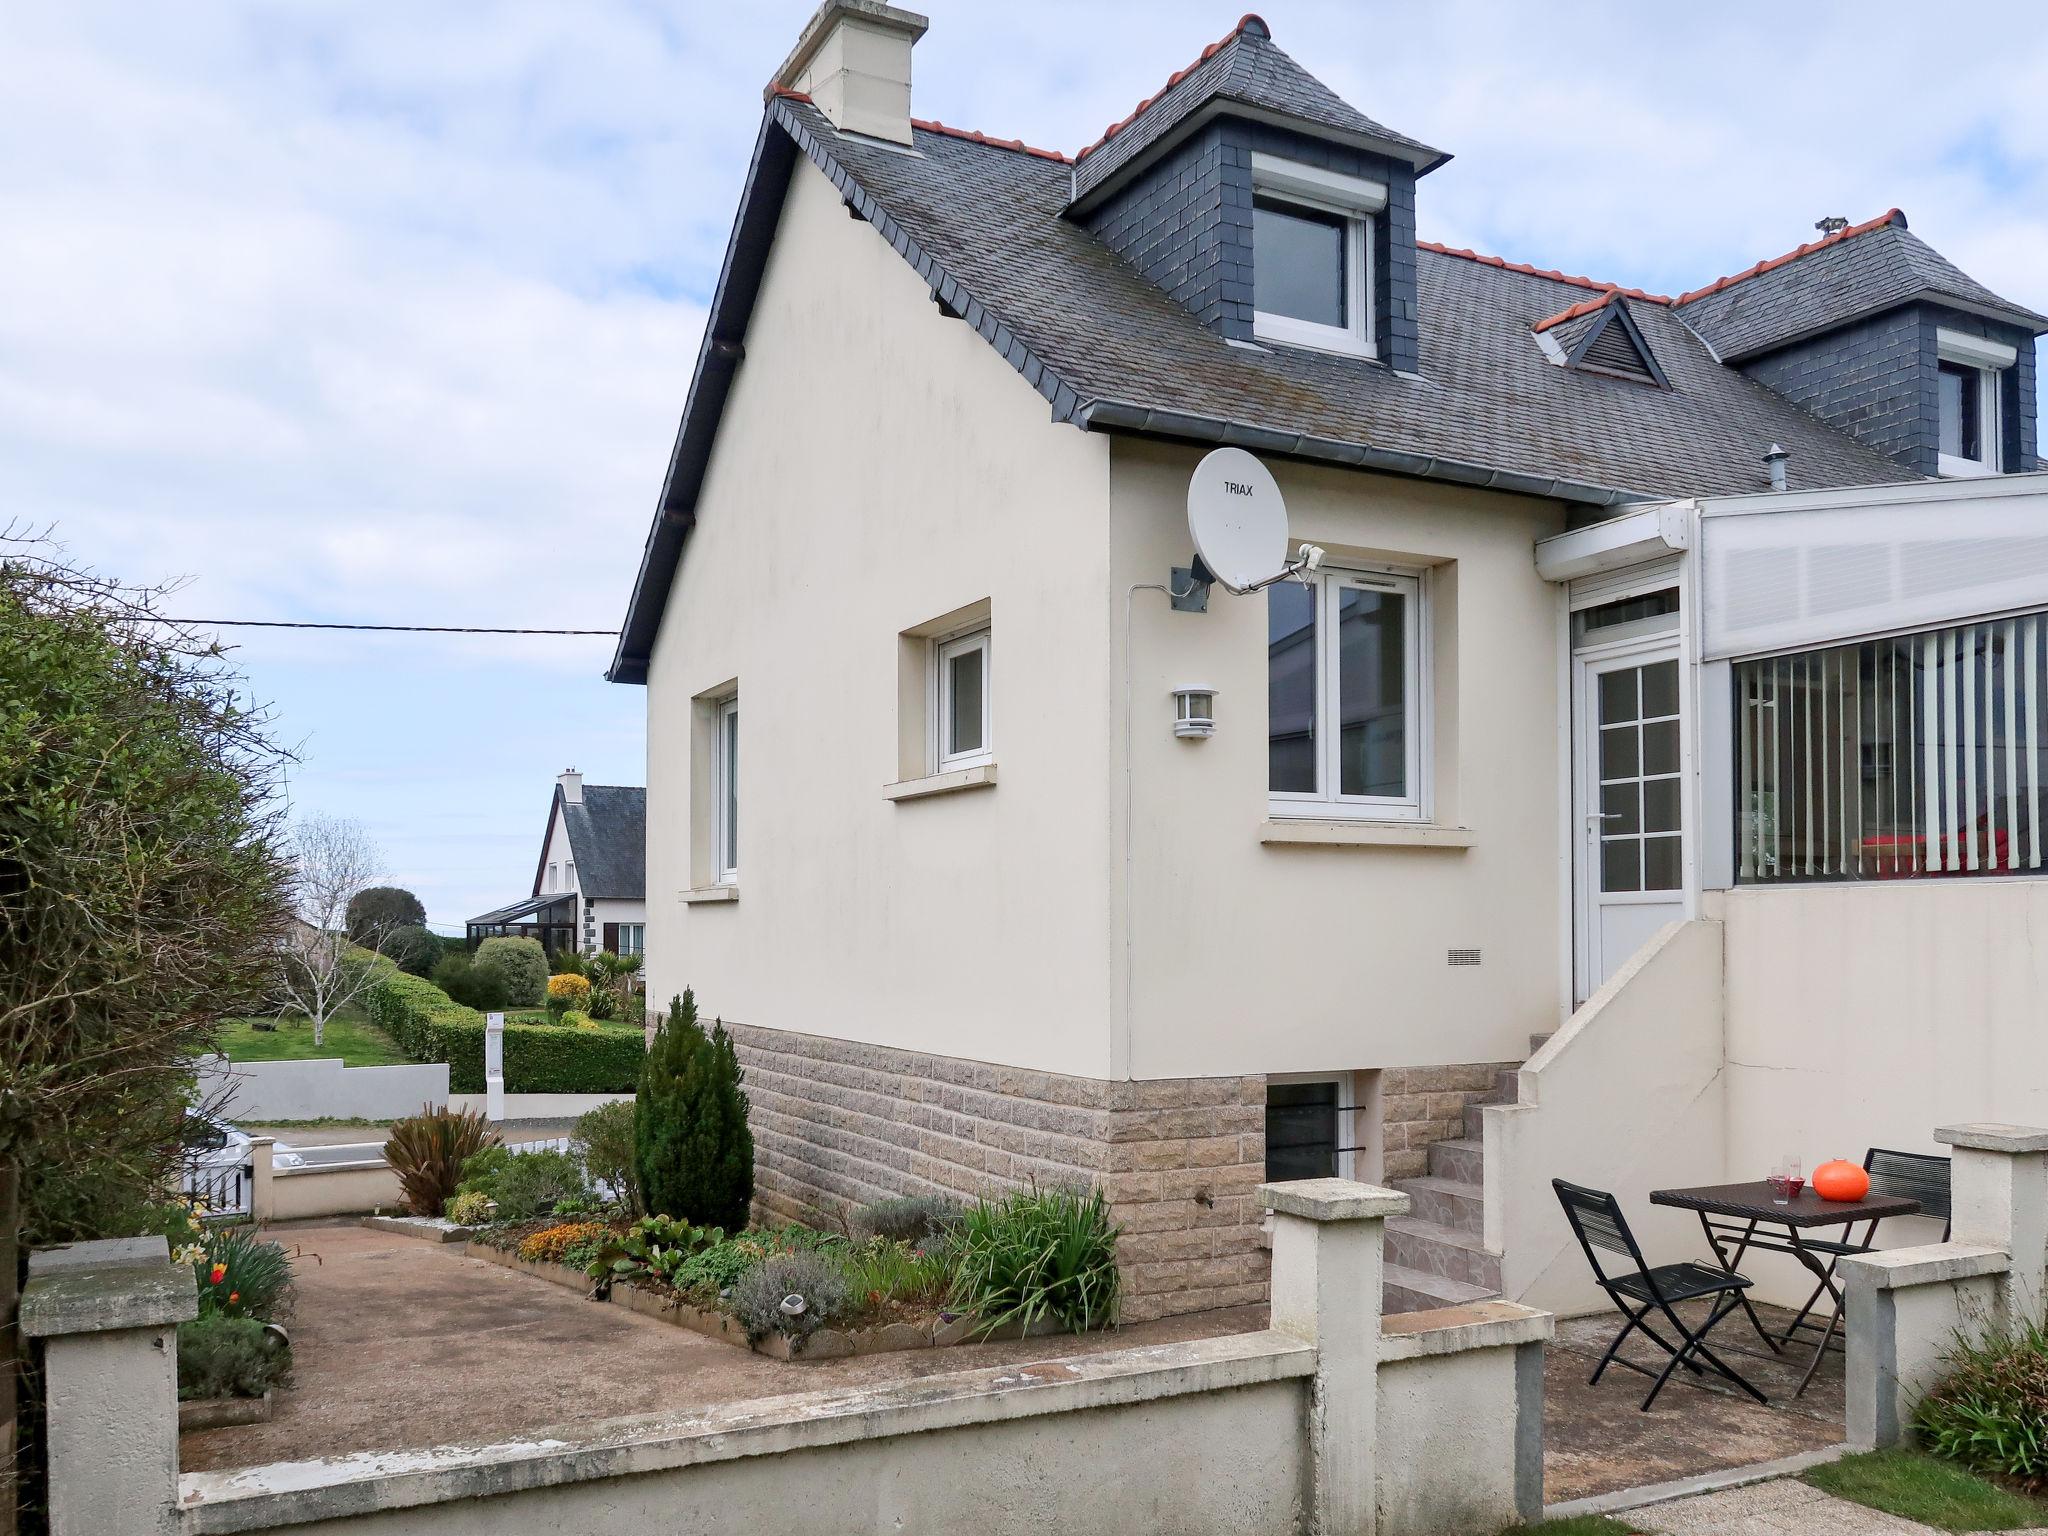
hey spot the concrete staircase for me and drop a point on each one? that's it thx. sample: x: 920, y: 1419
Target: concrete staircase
x: 1436, y: 1255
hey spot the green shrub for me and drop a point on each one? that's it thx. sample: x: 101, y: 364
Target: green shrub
x: 431, y: 1026
x: 693, y: 1152
x: 793, y: 1294
x: 522, y: 965
x: 378, y: 911
x: 413, y: 950
x: 526, y: 1184
x: 429, y: 1152
x: 472, y: 1209
x: 913, y: 1219
x: 885, y: 1270
x: 653, y: 1248
x: 605, y: 1004
x: 1991, y: 1411
x: 1037, y: 1254
x: 242, y: 1275
x: 605, y: 1136
x: 463, y: 982
x: 567, y: 962
x: 221, y: 1356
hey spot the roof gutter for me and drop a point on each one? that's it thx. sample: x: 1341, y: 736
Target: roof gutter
x: 1121, y: 416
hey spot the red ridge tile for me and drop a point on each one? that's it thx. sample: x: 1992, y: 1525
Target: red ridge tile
x: 974, y: 136
x: 1889, y: 216
x: 1606, y: 290
x: 1172, y: 80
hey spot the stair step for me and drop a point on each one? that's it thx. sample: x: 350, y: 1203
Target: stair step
x: 1410, y: 1290
x: 1462, y: 1160
x: 1447, y: 1202
x: 1507, y: 1086
x: 1475, y: 1122
x: 1439, y: 1250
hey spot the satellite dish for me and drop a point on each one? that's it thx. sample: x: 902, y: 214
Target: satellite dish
x: 1238, y: 520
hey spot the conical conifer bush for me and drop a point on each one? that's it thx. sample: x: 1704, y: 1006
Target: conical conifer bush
x: 692, y: 1150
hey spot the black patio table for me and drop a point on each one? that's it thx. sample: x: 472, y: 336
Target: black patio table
x: 1748, y: 1216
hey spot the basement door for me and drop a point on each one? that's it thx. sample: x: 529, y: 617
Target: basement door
x: 1628, y: 797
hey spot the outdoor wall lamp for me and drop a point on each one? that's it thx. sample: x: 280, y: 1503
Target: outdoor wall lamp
x: 1194, y: 711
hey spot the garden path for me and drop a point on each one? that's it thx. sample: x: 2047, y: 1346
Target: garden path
x: 399, y: 1343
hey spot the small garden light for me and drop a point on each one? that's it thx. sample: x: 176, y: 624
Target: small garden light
x: 1194, y: 710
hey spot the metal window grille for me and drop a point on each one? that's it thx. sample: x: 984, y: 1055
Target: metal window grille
x: 1913, y: 756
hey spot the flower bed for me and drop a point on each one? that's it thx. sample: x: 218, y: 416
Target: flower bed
x: 920, y: 1276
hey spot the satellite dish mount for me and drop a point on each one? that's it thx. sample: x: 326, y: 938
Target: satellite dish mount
x: 1238, y: 521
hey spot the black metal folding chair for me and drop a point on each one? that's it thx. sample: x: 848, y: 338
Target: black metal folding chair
x: 1920, y: 1176
x: 1597, y: 1222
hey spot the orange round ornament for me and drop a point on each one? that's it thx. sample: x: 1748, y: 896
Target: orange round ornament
x: 1840, y: 1181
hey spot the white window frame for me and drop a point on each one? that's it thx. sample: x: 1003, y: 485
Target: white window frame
x: 1326, y: 803
x: 637, y: 944
x: 1355, y: 200
x: 554, y: 876
x: 569, y: 874
x: 940, y: 712
x: 725, y: 793
x: 1990, y: 359
x: 1347, y: 1111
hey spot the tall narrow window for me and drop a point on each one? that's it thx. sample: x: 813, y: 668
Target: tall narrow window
x: 725, y: 796
x: 569, y: 875
x: 1894, y: 759
x: 1344, y: 696
x: 961, y: 713
x: 1967, y: 390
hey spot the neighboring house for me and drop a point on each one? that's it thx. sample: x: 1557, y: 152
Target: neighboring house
x: 590, y: 887
x: 987, y: 915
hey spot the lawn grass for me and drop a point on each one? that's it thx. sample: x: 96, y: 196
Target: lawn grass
x: 1934, y: 1492
x: 1576, y: 1525
x: 349, y: 1035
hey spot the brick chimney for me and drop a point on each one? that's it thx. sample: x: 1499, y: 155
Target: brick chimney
x: 572, y: 786
x: 853, y: 60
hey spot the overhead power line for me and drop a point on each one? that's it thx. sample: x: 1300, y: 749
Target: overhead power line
x: 414, y: 629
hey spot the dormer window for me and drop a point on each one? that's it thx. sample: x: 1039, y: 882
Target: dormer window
x: 1967, y: 386
x: 1312, y: 279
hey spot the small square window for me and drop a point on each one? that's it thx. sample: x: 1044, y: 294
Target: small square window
x: 1312, y: 237
x: 961, y: 715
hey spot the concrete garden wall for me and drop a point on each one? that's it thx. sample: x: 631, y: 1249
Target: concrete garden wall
x: 261, y: 1092
x: 1318, y: 1423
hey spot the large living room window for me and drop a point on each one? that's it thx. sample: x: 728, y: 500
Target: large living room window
x: 1913, y: 756
x: 1312, y: 240
x: 1344, y: 696
x: 1968, y: 388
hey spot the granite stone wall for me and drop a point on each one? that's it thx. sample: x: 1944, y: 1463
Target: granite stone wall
x: 837, y: 1124
x: 1419, y: 1105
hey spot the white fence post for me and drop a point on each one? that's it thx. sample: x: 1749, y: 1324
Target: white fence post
x: 262, y: 1195
x: 1327, y: 1240
x: 108, y: 1315
x: 1905, y: 1306
x: 494, y: 1066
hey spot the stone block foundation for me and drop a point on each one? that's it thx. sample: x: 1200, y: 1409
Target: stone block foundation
x: 838, y: 1124
x: 1419, y: 1105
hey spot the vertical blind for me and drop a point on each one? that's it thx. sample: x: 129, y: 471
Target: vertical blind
x: 1918, y: 755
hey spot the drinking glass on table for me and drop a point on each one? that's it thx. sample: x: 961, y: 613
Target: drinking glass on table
x: 1786, y: 1180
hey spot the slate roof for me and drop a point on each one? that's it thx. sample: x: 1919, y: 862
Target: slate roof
x: 608, y: 837
x: 1857, y: 271
x: 1246, y: 69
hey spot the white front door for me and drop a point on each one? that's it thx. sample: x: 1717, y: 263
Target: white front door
x: 1628, y: 796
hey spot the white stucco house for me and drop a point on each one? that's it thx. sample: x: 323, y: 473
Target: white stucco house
x: 1582, y: 731
x: 590, y: 883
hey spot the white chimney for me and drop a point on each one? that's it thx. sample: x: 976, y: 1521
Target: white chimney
x: 572, y: 786
x: 853, y: 61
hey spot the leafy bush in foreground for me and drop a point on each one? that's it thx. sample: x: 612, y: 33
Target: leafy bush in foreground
x: 220, y: 1356
x: 605, y: 1137
x: 525, y: 1184
x: 1991, y: 1412
x: 793, y: 1294
x: 1038, y: 1254
x: 520, y: 963
x: 469, y: 1210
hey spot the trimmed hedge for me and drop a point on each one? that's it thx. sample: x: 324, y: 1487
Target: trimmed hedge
x: 428, y: 1025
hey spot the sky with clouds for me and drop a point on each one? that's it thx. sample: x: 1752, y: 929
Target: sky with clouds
x: 354, y: 310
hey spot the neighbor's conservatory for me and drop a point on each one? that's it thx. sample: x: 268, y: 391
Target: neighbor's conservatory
x: 1802, y: 687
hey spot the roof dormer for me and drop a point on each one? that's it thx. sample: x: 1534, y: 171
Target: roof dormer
x: 1600, y: 336
x: 1264, y: 203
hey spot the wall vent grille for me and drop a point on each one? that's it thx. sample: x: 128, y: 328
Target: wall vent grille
x: 1463, y: 957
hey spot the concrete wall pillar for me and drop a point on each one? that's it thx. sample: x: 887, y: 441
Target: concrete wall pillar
x: 262, y: 1195
x: 107, y: 1315
x: 1327, y: 1241
x: 1998, y: 1185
